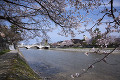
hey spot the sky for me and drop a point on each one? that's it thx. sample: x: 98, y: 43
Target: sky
x: 54, y: 37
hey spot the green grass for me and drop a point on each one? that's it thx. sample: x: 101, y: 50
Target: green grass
x: 4, y: 51
x: 17, y: 68
x: 20, y: 70
x: 23, y: 71
x: 75, y: 48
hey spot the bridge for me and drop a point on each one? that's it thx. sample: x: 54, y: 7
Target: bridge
x: 37, y: 46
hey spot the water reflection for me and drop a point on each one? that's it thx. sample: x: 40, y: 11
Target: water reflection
x: 59, y: 65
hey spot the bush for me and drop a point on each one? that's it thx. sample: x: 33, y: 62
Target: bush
x: 4, y: 51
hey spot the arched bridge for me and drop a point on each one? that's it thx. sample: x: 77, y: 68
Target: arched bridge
x: 37, y: 46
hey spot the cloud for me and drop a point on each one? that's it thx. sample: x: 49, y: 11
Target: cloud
x: 116, y: 3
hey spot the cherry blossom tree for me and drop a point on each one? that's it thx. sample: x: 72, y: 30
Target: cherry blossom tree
x: 9, y: 36
x: 35, y: 18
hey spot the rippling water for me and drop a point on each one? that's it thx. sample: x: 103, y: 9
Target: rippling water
x: 59, y: 65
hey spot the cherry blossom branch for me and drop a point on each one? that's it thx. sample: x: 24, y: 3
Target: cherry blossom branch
x: 18, y: 4
x: 48, y: 13
x: 99, y: 20
x: 92, y: 65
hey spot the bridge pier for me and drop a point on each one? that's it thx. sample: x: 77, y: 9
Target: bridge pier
x: 38, y: 47
x: 26, y: 47
x: 45, y: 47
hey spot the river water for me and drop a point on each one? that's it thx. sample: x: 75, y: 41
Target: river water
x: 60, y: 65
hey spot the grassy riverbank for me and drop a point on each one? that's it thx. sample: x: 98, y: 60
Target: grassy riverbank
x: 14, y: 67
x: 90, y: 50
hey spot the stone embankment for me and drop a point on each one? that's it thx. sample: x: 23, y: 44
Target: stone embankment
x: 89, y: 50
x: 14, y: 67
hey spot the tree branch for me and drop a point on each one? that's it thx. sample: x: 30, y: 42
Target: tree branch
x: 48, y: 13
x: 92, y: 65
x: 18, y: 4
x: 100, y: 19
x: 113, y: 13
x: 16, y: 23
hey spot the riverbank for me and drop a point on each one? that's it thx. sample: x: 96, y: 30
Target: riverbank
x: 14, y: 67
x: 89, y: 50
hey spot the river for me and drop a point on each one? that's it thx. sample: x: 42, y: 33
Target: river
x: 60, y: 65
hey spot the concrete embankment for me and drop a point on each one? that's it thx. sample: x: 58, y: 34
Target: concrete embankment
x: 14, y: 67
x: 89, y: 50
